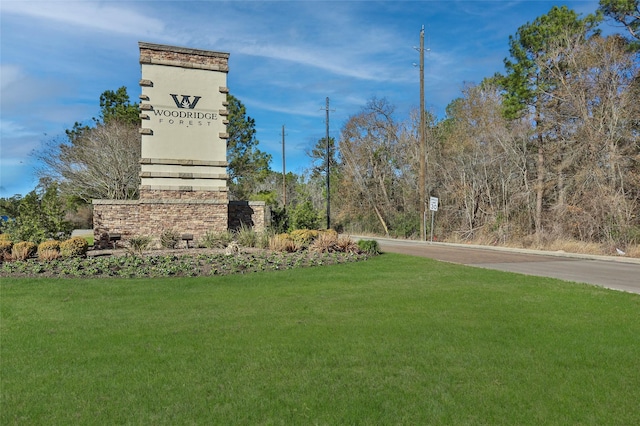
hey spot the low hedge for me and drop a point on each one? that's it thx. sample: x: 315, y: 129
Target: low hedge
x: 74, y: 247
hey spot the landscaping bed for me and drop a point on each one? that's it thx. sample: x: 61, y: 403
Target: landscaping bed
x: 174, y: 262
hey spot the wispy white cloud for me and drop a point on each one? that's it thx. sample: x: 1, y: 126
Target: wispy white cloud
x: 343, y: 65
x: 113, y: 17
x: 328, y: 36
x: 20, y: 88
x: 11, y: 129
x: 16, y: 168
x: 306, y: 109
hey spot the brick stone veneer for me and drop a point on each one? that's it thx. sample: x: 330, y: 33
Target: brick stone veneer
x: 151, y: 217
x: 183, y: 57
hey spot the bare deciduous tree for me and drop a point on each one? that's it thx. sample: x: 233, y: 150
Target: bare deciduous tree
x: 594, y: 111
x: 101, y: 162
x: 485, y: 179
x: 367, y: 150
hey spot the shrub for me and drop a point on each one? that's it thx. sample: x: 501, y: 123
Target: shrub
x: 218, y: 240
x: 49, y: 250
x: 169, y: 239
x: 5, y: 249
x: 74, y: 247
x: 304, y: 236
x: 283, y: 242
x: 23, y: 250
x: 139, y: 244
x: 49, y: 245
x: 369, y: 246
x: 325, y: 243
x: 279, y: 219
x: 304, y: 216
x: 246, y: 236
x: 5, y: 237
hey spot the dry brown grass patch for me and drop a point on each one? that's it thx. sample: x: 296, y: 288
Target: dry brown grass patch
x: 284, y: 242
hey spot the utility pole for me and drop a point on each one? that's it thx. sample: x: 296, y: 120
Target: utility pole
x: 284, y: 175
x: 328, y: 171
x: 423, y: 145
x: 328, y: 167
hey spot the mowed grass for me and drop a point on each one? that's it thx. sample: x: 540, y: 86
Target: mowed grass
x: 392, y: 340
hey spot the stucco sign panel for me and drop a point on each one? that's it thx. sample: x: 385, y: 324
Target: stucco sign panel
x: 184, y: 118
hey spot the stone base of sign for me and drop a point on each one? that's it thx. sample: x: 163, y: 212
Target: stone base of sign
x: 185, y: 212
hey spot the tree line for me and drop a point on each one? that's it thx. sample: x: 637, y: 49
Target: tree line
x: 547, y: 150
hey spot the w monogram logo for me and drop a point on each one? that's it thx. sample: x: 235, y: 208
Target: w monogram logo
x: 186, y: 101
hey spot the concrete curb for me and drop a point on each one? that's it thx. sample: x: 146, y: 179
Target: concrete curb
x: 620, y: 259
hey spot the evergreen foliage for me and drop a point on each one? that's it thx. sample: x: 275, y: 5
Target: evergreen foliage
x: 248, y: 166
x: 625, y: 12
x: 38, y: 216
x: 370, y: 247
x: 524, y: 81
x: 305, y: 216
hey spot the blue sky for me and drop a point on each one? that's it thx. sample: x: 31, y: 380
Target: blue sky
x: 286, y: 57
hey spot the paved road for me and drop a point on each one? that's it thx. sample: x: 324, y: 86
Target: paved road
x: 611, y: 272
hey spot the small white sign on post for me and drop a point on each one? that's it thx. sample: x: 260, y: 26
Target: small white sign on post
x: 433, y: 204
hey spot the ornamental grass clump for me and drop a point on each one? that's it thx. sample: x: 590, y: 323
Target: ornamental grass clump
x: 169, y: 239
x: 49, y: 250
x: 216, y: 240
x: 263, y: 239
x: 326, y: 242
x: 284, y: 243
x: 5, y: 249
x: 23, y: 250
x: 246, y: 236
x: 139, y: 244
x: 74, y: 247
x: 345, y: 244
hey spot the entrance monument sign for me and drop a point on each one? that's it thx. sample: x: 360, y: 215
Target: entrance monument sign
x: 183, y: 179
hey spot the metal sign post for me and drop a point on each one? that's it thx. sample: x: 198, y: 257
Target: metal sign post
x: 423, y: 231
x: 433, y: 206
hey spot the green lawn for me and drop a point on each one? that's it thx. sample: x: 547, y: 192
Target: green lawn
x: 392, y: 340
